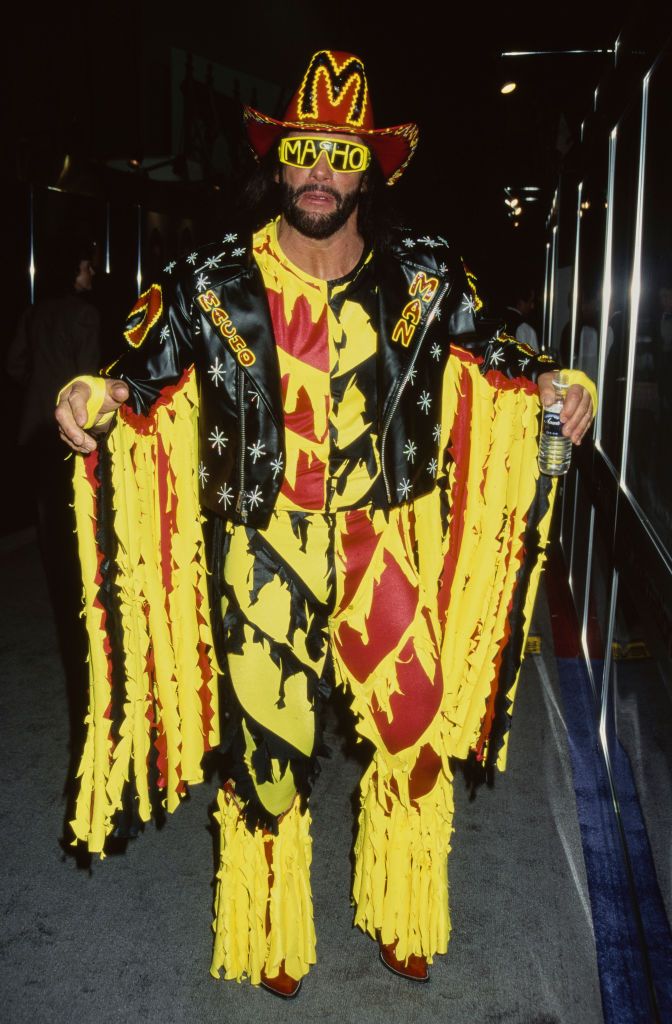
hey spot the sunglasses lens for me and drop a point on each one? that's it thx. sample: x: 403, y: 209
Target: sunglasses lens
x: 299, y: 152
x: 342, y: 155
x: 347, y: 156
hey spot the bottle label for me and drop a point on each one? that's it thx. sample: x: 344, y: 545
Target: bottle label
x: 552, y: 426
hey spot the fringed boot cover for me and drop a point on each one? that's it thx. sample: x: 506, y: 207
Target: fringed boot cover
x: 401, y: 875
x: 242, y: 948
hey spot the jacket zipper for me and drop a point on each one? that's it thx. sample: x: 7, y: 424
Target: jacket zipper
x: 240, y: 504
x: 405, y: 379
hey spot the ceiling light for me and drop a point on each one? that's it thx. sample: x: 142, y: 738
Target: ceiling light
x: 507, y: 88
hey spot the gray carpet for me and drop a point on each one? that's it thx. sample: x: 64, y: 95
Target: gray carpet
x: 129, y: 940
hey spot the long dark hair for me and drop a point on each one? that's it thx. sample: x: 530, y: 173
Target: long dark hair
x: 259, y: 199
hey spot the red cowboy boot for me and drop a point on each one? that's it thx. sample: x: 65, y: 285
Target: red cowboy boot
x: 282, y: 984
x: 414, y: 968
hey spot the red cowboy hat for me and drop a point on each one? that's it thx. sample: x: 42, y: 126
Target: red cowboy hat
x: 334, y: 97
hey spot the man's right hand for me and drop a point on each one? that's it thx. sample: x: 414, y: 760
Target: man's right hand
x: 71, y: 413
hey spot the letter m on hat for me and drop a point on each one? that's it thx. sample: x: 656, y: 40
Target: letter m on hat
x: 328, y: 84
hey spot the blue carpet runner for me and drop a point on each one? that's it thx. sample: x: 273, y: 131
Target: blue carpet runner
x: 621, y: 965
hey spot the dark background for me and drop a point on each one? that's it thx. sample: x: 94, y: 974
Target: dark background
x: 94, y: 84
x: 89, y: 105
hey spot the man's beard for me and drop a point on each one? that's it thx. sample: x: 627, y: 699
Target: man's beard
x: 317, y: 225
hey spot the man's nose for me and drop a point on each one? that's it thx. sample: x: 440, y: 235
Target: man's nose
x: 322, y: 169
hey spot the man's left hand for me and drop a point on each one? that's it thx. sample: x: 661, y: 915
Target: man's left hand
x: 577, y: 412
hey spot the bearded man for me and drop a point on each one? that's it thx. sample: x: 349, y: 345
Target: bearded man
x: 364, y: 459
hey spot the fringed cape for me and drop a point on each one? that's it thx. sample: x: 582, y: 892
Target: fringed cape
x: 153, y: 710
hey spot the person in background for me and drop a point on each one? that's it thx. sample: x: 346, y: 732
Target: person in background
x: 57, y: 337
x: 518, y: 315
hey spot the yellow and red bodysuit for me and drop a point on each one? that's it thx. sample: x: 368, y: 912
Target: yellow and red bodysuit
x: 419, y: 608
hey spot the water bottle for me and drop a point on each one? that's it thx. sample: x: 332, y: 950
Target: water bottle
x: 555, y: 450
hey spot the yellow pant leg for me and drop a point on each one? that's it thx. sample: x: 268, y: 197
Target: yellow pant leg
x: 276, y: 589
x: 387, y: 654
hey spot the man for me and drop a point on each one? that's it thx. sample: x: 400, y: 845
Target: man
x: 361, y: 526
x: 56, y: 339
x: 518, y: 314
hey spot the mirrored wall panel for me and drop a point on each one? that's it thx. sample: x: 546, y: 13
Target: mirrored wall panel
x: 592, y: 214
x: 649, y: 461
x: 615, y: 327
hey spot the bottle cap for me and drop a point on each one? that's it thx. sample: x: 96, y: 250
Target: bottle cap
x: 561, y: 380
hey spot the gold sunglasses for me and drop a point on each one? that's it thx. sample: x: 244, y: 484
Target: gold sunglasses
x: 342, y: 155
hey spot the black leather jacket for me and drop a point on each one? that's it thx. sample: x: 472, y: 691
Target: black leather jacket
x: 211, y: 310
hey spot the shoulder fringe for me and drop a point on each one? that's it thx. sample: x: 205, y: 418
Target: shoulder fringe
x: 153, y: 708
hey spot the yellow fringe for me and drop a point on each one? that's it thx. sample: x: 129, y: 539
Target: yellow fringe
x: 242, y: 949
x: 501, y: 483
x: 164, y: 702
x: 401, y: 866
x: 501, y: 473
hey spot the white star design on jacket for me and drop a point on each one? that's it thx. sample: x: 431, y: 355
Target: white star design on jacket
x: 169, y: 267
x: 497, y: 357
x: 203, y: 474
x: 191, y: 258
x: 277, y: 466
x: 217, y: 372
x: 217, y: 440
x: 410, y: 450
x: 404, y: 488
x: 231, y: 237
x: 256, y: 450
x: 435, y: 351
x: 202, y: 282
x: 255, y: 497
x: 225, y: 495
x: 165, y: 333
x: 425, y: 401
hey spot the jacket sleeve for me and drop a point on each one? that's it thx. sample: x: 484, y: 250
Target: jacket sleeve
x: 485, y: 339
x: 159, y: 339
